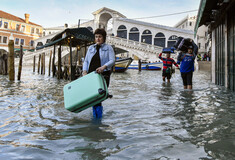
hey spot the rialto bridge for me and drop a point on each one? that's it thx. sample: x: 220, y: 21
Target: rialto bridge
x: 131, y: 34
x: 139, y: 38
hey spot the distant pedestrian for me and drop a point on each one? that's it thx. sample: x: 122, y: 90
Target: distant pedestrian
x: 204, y: 57
x: 167, y: 66
x: 187, y: 68
x: 208, y: 57
x: 199, y: 58
x: 100, y: 57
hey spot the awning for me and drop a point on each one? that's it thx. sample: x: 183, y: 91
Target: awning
x: 51, y: 43
x: 78, y: 37
x: 82, y: 34
x: 18, y: 49
x: 199, y: 16
x: 207, y: 8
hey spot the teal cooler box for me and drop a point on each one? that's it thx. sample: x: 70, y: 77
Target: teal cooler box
x: 85, y: 92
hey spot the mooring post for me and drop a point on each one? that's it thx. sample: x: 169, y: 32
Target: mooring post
x: 59, y: 63
x: 39, y: 58
x: 139, y: 64
x: 42, y: 64
x: 71, y: 62
x: 11, y: 59
x: 78, y: 57
x: 49, y: 70
x: 1, y: 63
x: 53, y: 62
x: 85, y: 51
x: 34, y: 61
x: 5, y: 64
x: 20, y: 62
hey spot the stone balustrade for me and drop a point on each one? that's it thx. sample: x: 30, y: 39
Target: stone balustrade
x: 142, y: 50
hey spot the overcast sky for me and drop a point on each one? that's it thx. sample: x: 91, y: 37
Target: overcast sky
x: 51, y: 13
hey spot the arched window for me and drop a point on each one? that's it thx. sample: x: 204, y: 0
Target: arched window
x: 160, y: 39
x: 90, y: 29
x: 134, y: 34
x: 122, y: 31
x: 146, y: 37
x: 171, y: 41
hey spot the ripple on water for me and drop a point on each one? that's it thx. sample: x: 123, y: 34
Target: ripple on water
x: 145, y: 119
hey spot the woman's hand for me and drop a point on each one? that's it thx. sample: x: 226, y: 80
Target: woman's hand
x: 101, y: 69
x: 84, y: 73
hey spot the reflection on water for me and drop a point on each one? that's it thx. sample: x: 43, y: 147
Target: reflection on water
x: 146, y: 119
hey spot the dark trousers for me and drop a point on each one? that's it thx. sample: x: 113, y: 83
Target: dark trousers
x: 187, y: 78
x: 106, y: 75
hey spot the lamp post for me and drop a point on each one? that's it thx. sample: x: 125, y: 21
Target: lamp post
x: 11, y: 63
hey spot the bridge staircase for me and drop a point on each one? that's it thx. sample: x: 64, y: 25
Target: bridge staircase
x: 144, y: 51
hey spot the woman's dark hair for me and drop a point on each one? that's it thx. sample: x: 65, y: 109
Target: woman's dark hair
x: 102, y: 32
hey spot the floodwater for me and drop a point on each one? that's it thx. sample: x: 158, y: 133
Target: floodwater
x: 145, y: 119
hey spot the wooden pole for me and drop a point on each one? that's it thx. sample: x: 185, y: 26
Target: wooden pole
x: 11, y: 61
x: 42, y: 64
x: 5, y: 64
x: 49, y: 70
x: 59, y: 63
x: 71, y: 62
x: 139, y: 62
x: 53, y: 62
x: 20, y: 63
x: 85, y: 51
x: 34, y: 60
x: 78, y: 57
x: 39, y: 58
x: 1, y: 63
x: 65, y: 71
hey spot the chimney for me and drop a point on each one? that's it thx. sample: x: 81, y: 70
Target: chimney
x: 26, y: 17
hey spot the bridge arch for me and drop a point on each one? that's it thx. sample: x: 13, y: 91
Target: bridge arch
x: 103, y: 20
x: 134, y: 34
x: 122, y: 31
x: 160, y: 39
x: 146, y: 36
x: 171, y: 41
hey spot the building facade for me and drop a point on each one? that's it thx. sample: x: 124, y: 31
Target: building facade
x: 23, y: 31
x: 219, y: 16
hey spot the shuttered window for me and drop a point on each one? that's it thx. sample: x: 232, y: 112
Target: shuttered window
x: 220, y: 55
x: 231, y: 50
